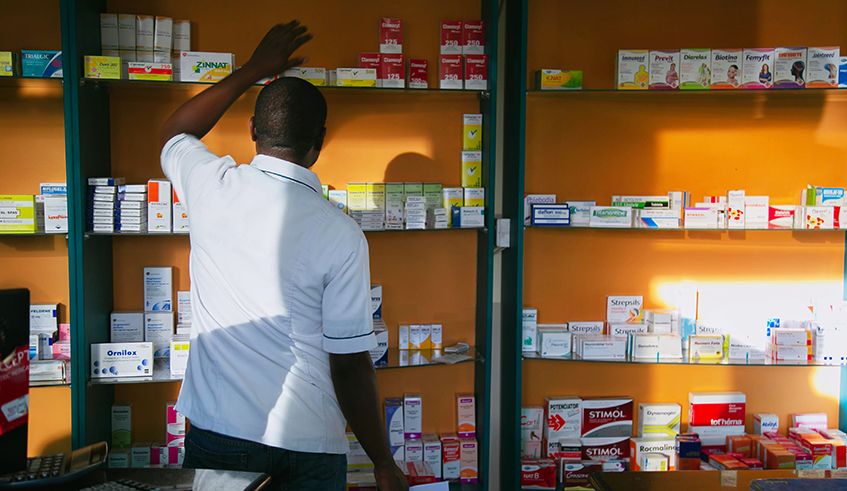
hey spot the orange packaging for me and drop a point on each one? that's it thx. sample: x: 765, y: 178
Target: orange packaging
x: 466, y: 415
x: 469, y: 457
x: 761, y: 446
x: 739, y: 444
x: 778, y: 458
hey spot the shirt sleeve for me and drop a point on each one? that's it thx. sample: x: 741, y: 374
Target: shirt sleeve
x: 346, y: 309
x: 191, y: 167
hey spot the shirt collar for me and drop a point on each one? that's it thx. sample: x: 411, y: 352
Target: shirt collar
x: 287, y: 171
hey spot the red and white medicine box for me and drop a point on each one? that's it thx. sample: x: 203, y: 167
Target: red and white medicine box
x: 538, y: 474
x: 476, y: 72
x: 418, y: 78
x: 450, y: 72
x: 451, y: 37
x: 605, y: 449
x: 607, y: 417
x: 391, y: 36
x: 372, y: 60
x: 563, y: 417
x: 393, y: 71
x: 716, y: 408
x: 473, y: 37
x: 419, y: 473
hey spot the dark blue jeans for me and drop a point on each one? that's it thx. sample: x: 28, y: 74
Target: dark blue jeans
x: 288, y: 470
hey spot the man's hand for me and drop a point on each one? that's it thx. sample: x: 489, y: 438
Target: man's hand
x: 273, y: 55
x: 390, y: 478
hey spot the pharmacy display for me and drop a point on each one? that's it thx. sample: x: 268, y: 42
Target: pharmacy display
x: 760, y: 68
x: 571, y: 437
x: 154, y: 48
x: 631, y: 333
x: 45, y: 212
x: 817, y: 208
x: 49, y: 346
x: 126, y: 453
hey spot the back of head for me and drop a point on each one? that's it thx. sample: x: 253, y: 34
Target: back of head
x: 289, y: 119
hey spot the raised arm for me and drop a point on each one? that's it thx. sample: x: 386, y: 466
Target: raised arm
x: 272, y: 57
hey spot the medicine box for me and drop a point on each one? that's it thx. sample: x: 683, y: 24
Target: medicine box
x: 412, y: 416
x: 695, y: 69
x: 126, y: 31
x: 659, y: 420
x: 727, y: 67
x: 39, y: 63
x: 763, y: 422
x: 842, y: 71
x: 163, y: 34
x: 469, y: 472
x: 473, y: 37
x: 580, y: 212
x: 472, y: 132
x: 418, y: 74
x: 394, y: 421
x: 716, y: 408
x: 558, y: 79
x: 450, y: 32
x: 610, y: 216
x: 109, y: 32
x: 103, y: 67
x: 554, y: 342
x: 199, y: 66
x: 161, y: 72
x: 468, y: 217
x: 818, y: 217
x: 664, y: 70
x: 8, y: 64
x: 624, y: 308
x: 531, y: 199
x: 529, y: 330
x: 117, y: 360
x: 145, y: 26
x: 700, y: 217
x: 175, y: 425
x: 789, y: 68
x: 391, y: 36
x: 181, y: 35
x: 159, y: 208
x: 596, y: 327
x: 472, y: 169
x: 465, y: 415
x: 183, y: 302
x: 43, y: 318
x: 119, y: 458
x: 476, y: 72
x: 356, y: 77
x: 758, y: 69
x: 705, y: 347
x: 641, y: 450
x: 450, y: 73
x: 121, y: 425
x: 822, y: 67
x: 159, y: 329
x: 127, y: 327
x: 432, y: 453
x: 606, y: 417
x: 781, y: 216
x: 632, y: 71
x: 393, y: 71
x: 551, y: 215
x: 17, y: 214
x: 179, y: 349
x: 158, y: 289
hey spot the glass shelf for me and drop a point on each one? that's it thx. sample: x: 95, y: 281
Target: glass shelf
x: 731, y: 230
x: 814, y: 94
x: 171, y: 85
x: 185, y: 234
x: 30, y: 82
x: 30, y: 234
x: 396, y: 359
x: 49, y: 383
x: 734, y: 362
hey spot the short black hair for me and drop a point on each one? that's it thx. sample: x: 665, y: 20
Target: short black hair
x: 290, y: 113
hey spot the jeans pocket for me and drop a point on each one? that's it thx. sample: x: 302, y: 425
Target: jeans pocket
x: 317, y: 466
x: 197, y: 457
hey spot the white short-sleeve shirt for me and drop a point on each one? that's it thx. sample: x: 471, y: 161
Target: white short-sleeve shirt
x: 279, y: 280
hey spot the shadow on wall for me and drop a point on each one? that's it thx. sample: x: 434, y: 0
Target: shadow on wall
x: 410, y: 167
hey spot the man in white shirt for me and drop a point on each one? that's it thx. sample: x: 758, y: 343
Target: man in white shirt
x: 280, y: 290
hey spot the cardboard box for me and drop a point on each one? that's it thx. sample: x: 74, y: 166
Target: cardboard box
x: 145, y: 26
x: 391, y: 36
x: 40, y: 63
x: 412, y: 416
x: 727, y: 67
x: 694, y: 71
x: 469, y: 471
x: 450, y: 32
x: 394, y: 421
x: 159, y: 329
x: 476, y: 72
x: 538, y: 474
x: 466, y: 416
x: 108, y: 32
x: 788, y: 68
x: 374, y: 61
x: 473, y: 37
x: 758, y: 69
x: 659, y: 420
x: 199, y: 66
x: 624, y: 308
x: 632, y: 71
x: 150, y: 71
x: 9, y: 64
x: 159, y: 207
x: 163, y: 35
x: 610, y: 217
x: 716, y: 408
x: 158, y: 289
x: 181, y: 35
x: 127, y: 327
x: 664, y: 70
x: 418, y: 76
x: 180, y: 215
x: 450, y: 73
x: 118, y: 360
x: 393, y: 71
x: 563, y: 416
x: 822, y: 67
x: 17, y: 214
x: 641, y: 447
x: 606, y: 417
x: 356, y: 77
x: 558, y: 79
x: 180, y: 346
x: 450, y: 457
x: 605, y: 449
x: 121, y: 425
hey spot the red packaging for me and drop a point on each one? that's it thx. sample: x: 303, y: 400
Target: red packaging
x: 450, y: 71
x: 419, y: 473
x: 773, y: 435
x: 418, y: 78
x: 816, y: 446
x: 839, y: 453
x: 742, y: 445
x: 716, y: 409
x: 753, y: 464
x: 605, y: 449
x: 451, y: 37
x: 473, y: 37
x: 476, y: 72
x: 538, y: 474
x: 393, y: 71
x: 574, y: 474
x: 390, y: 36
x: 607, y: 417
x: 372, y: 60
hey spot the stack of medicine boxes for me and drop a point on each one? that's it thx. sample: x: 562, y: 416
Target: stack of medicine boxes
x: 51, y: 208
x: 143, y: 38
x: 379, y: 355
x: 115, y: 206
x: 366, y: 204
x: 470, y: 212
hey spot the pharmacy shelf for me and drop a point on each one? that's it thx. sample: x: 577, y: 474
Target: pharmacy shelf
x: 31, y: 234
x: 48, y: 383
x: 690, y: 229
x: 31, y: 82
x: 664, y: 95
x: 643, y: 361
x: 170, y: 85
x: 185, y: 234
x: 396, y: 359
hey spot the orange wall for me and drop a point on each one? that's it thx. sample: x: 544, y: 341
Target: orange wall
x: 370, y: 137
x: 32, y: 137
x: 589, y: 146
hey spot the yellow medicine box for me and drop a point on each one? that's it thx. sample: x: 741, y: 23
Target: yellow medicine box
x: 106, y: 67
x: 375, y: 196
x: 17, y: 214
x: 8, y: 64
x: 472, y: 133
x: 356, y: 77
x: 471, y: 169
x: 357, y: 196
